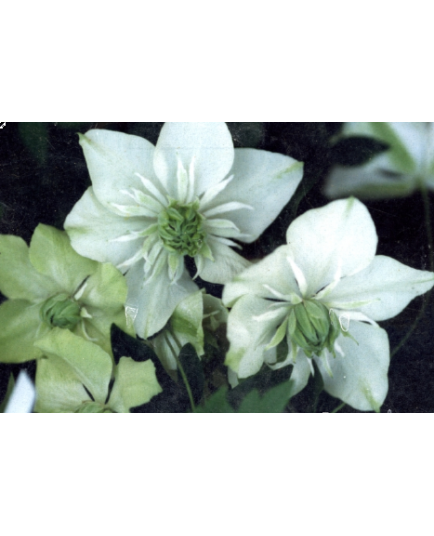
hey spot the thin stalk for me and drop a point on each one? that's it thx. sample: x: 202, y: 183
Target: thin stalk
x: 187, y: 385
x: 426, y: 298
x: 338, y: 409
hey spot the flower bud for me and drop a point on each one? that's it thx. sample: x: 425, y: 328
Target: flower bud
x: 312, y: 328
x: 60, y: 312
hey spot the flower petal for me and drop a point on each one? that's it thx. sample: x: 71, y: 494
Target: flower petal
x: 382, y: 290
x: 300, y: 374
x: 249, y: 337
x: 360, y: 378
x: 209, y: 145
x: 91, y: 366
x: 115, y: 161
x: 18, y: 278
x: 23, y: 396
x: 20, y: 327
x: 226, y: 265
x: 262, y: 180
x: 152, y: 302
x: 94, y: 231
x: 272, y: 272
x: 339, y: 238
x: 52, y: 255
x: 135, y: 385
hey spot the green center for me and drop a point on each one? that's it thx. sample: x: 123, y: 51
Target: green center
x: 181, y: 230
x: 313, y: 327
x: 60, y: 312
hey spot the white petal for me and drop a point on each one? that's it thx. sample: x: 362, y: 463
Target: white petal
x: 339, y: 236
x: 386, y: 287
x: 92, y: 230
x: 23, y: 396
x: 114, y: 161
x: 263, y: 180
x: 153, y: 303
x: 273, y: 270
x: 226, y: 207
x: 212, y: 192
x: 248, y: 337
x: 209, y: 144
x: 360, y: 378
x: 226, y: 265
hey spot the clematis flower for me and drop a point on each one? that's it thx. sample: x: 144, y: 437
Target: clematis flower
x: 77, y: 376
x: 407, y: 166
x: 319, y: 298
x: 49, y: 285
x: 190, y: 196
x: 194, y: 321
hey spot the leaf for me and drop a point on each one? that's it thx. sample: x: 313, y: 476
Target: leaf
x: 356, y: 150
x: 273, y: 401
x: 216, y: 403
x: 262, y: 382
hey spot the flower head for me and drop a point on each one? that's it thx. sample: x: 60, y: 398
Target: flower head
x: 320, y: 298
x: 406, y: 166
x: 190, y: 196
x: 50, y: 286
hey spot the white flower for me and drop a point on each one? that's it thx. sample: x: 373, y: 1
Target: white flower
x: 191, y: 195
x: 407, y: 165
x: 319, y: 298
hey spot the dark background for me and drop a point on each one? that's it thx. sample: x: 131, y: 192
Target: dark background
x: 43, y: 174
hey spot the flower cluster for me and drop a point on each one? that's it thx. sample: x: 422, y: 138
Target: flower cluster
x: 114, y: 311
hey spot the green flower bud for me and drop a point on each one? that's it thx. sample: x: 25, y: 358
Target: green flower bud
x: 60, y: 312
x: 312, y: 327
x: 180, y: 229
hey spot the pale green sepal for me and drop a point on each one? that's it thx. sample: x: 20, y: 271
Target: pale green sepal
x: 96, y: 295
x: 19, y: 329
x: 186, y: 322
x: 90, y: 363
x: 135, y: 384
x: 215, y: 313
x: 280, y: 335
x: 52, y: 255
x: 18, y: 278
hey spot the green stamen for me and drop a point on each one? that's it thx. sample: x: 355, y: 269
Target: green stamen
x: 60, y: 312
x: 180, y: 229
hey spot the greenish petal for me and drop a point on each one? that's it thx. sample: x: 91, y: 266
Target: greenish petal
x: 135, y: 384
x: 95, y: 293
x: 52, y: 255
x: 18, y: 278
x: 20, y: 326
x: 186, y: 321
x: 91, y: 364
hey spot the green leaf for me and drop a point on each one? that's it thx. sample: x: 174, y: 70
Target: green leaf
x: 35, y: 138
x: 52, y: 255
x: 135, y: 384
x: 216, y: 403
x: 20, y: 326
x: 273, y: 401
x: 356, y: 150
x: 262, y: 382
x: 18, y: 278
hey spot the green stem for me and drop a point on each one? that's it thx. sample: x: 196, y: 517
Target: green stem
x: 426, y: 298
x: 338, y: 409
x: 186, y: 383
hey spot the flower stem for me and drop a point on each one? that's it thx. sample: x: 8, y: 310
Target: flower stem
x: 186, y: 383
x: 338, y: 409
x: 426, y: 298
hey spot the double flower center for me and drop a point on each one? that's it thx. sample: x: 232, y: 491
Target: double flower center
x: 180, y: 228
x: 61, y: 311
